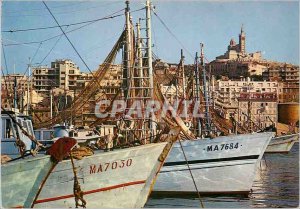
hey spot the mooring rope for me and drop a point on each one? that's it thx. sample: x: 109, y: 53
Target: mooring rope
x: 78, y: 193
x: 187, y: 163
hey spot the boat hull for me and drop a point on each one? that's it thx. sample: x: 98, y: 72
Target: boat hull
x: 20, y: 181
x: 116, y: 179
x: 224, y: 165
x: 282, y: 144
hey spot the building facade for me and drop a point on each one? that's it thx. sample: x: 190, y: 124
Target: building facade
x: 62, y: 74
x: 8, y: 84
x: 287, y: 76
x: 247, y: 100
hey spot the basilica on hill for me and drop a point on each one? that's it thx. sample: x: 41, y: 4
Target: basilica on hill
x: 238, y: 51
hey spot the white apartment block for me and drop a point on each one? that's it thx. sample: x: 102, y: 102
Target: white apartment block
x: 247, y: 100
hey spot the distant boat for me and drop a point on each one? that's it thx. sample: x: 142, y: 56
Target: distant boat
x: 223, y: 165
x: 83, y: 135
x: 282, y: 144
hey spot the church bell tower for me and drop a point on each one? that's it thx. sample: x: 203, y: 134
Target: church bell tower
x: 242, y: 41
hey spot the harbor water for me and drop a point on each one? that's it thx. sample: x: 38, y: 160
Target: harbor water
x: 276, y: 185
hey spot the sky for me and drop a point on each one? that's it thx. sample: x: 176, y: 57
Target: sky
x: 271, y: 27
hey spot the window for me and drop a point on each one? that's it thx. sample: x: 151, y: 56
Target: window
x: 8, y: 129
x: 71, y: 71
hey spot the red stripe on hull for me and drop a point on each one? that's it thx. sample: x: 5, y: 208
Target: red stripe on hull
x: 90, y: 191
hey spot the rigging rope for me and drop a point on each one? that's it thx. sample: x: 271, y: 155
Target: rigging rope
x: 66, y: 25
x: 168, y: 29
x: 187, y: 163
x: 19, y: 84
x: 69, y: 40
x: 52, y: 37
x: 5, y: 61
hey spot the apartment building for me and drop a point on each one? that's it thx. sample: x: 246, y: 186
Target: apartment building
x: 287, y: 76
x: 62, y: 74
x: 245, y: 99
x: 257, y: 111
x: 8, y: 83
x: 22, y: 83
x: 282, y: 72
x: 288, y: 92
x: 45, y: 79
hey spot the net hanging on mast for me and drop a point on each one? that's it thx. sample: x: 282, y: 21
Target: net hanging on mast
x: 90, y: 90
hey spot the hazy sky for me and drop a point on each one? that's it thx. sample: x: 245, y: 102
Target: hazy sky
x: 271, y: 27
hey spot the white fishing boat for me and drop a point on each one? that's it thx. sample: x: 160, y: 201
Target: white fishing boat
x: 223, y: 165
x: 120, y: 178
x: 282, y: 144
x: 220, y: 165
x: 116, y: 179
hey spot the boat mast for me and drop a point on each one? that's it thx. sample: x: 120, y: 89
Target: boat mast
x: 149, y: 54
x: 207, y: 114
x: 15, y: 94
x: 28, y: 87
x: 183, y: 75
x: 140, y: 55
x: 51, y: 104
x: 127, y: 52
x: 197, y: 88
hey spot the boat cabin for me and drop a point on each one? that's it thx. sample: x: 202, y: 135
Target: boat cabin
x: 10, y: 131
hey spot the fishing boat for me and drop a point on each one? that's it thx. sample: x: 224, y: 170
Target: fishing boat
x: 223, y: 165
x: 282, y: 144
x: 127, y: 174
x: 211, y: 165
x: 82, y: 135
x: 122, y: 178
